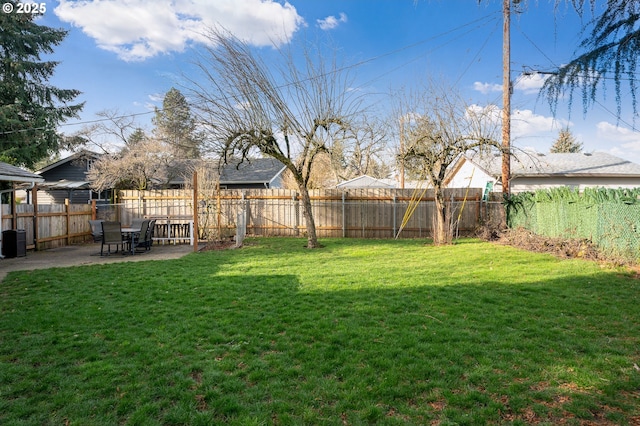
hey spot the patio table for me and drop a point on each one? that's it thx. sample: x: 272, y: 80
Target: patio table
x: 130, y: 233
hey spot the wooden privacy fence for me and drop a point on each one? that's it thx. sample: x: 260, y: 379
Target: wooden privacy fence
x: 354, y: 213
x: 48, y: 225
x: 362, y: 213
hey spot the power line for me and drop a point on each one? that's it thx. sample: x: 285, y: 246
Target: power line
x: 555, y: 72
x: 484, y: 19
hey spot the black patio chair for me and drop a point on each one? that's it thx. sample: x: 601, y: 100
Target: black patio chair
x: 96, y: 230
x: 141, y: 237
x: 151, y: 233
x: 111, y: 236
x: 137, y: 222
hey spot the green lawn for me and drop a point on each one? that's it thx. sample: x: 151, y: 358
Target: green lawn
x: 358, y: 332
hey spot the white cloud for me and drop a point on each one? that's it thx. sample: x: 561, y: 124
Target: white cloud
x: 139, y: 29
x: 330, y: 22
x: 625, y: 139
x: 534, y: 131
x: 486, y: 88
x: 526, y: 123
x: 530, y: 84
x: 156, y: 97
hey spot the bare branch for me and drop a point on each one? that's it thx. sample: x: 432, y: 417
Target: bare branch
x: 250, y: 109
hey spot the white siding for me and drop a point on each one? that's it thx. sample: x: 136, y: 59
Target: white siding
x: 469, y: 173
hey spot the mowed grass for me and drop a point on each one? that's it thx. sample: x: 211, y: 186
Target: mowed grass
x: 358, y: 332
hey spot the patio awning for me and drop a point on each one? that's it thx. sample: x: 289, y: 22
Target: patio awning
x: 65, y: 184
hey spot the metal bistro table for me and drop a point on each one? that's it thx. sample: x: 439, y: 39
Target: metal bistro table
x: 130, y: 233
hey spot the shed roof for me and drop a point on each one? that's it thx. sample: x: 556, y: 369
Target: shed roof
x: 530, y: 164
x: 365, y: 181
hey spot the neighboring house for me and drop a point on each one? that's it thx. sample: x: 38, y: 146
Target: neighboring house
x: 365, y: 181
x: 531, y: 171
x: 67, y: 179
x: 255, y: 173
x: 14, y: 175
x: 9, y: 173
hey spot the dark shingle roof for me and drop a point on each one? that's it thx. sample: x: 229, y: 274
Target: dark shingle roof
x: 16, y: 174
x: 78, y: 155
x: 256, y: 170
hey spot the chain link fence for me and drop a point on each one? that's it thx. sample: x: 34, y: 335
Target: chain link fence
x: 612, y: 224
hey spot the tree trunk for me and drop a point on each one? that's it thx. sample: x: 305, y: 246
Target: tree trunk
x: 441, y: 229
x: 312, y: 238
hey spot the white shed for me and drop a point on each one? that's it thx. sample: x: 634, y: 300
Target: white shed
x: 531, y: 171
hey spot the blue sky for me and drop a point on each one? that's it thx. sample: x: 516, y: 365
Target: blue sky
x: 125, y: 54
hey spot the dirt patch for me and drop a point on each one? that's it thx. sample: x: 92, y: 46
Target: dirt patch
x: 561, y: 247
x: 566, y: 248
x: 225, y: 244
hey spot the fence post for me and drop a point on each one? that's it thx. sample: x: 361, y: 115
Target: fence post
x: 194, y: 230
x: 296, y: 206
x: 68, y: 220
x: 394, y: 214
x: 14, y: 211
x: 344, y: 216
x: 34, y: 196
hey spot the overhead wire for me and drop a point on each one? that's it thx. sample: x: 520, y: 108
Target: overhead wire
x: 555, y: 66
x: 477, y: 22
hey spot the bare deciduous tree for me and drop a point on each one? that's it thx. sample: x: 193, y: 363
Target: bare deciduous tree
x: 438, y: 127
x: 364, y: 152
x: 135, y: 167
x: 112, y: 129
x: 247, y: 108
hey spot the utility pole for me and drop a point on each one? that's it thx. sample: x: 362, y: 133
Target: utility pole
x: 506, y: 96
x: 402, y: 171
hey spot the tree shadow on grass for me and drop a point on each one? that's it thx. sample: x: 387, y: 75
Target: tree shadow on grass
x: 225, y: 347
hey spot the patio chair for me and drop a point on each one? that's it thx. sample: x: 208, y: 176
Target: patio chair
x: 111, y: 235
x: 148, y: 240
x: 96, y: 230
x: 137, y: 222
x: 139, y: 239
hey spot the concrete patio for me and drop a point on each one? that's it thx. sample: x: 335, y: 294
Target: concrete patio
x: 86, y: 254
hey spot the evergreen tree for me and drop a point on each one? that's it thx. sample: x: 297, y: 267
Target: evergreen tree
x: 136, y: 137
x: 30, y: 108
x: 609, y: 50
x: 176, y: 126
x: 566, y: 143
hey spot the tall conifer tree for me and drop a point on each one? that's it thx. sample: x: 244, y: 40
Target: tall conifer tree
x: 176, y: 126
x: 566, y: 143
x: 30, y: 108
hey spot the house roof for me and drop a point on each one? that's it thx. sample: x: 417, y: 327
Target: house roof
x: 78, y: 155
x: 529, y: 164
x: 256, y: 171
x: 16, y: 174
x: 365, y: 181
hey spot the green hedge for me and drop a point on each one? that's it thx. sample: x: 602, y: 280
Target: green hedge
x: 610, y: 218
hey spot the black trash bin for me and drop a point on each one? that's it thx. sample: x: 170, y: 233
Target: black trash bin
x: 14, y: 243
